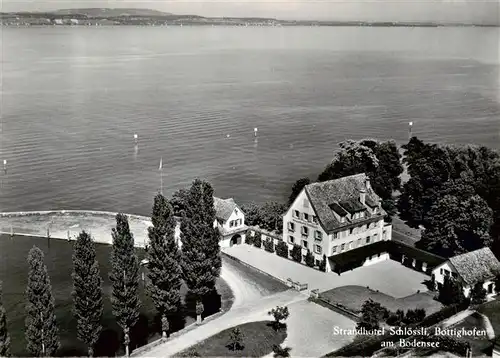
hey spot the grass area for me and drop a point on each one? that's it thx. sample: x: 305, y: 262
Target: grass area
x: 353, y: 297
x: 479, y: 344
x: 400, y: 226
x: 258, y: 340
x: 492, y: 311
x: 58, y: 253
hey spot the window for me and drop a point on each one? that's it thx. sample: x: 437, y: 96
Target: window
x: 359, y: 242
x: 236, y: 211
x: 342, y: 247
x: 318, y: 235
x: 375, y: 237
x: 231, y: 223
x: 306, y: 216
x: 368, y: 240
x: 355, y: 215
x: 384, y: 234
x: 305, y: 230
x: 441, y: 271
x: 350, y: 245
x: 342, y: 219
x: 317, y: 249
x: 304, y: 243
x: 291, y: 227
x: 351, y: 231
x: 334, y: 249
x: 306, y: 203
x: 315, y: 219
x: 335, y: 235
x: 362, y: 214
x: 291, y: 239
x: 296, y: 214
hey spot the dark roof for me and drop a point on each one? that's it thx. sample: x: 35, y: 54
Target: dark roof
x: 389, y: 246
x: 353, y: 205
x: 224, y: 208
x: 338, y: 209
x: 323, y: 195
x: 476, y: 266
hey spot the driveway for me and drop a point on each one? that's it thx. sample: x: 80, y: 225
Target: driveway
x: 387, y: 276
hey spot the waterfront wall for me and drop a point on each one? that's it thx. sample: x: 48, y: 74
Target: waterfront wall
x: 67, y: 224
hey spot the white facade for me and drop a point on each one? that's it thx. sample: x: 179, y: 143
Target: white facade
x: 233, y: 229
x: 447, y: 269
x: 301, y: 226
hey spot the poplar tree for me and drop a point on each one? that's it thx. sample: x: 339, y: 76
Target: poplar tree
x: 4, y: 334
x: 164, y: 271
x: 87, y: 291
x: 124, y: 277
x: 42, y: 334
x: 201, y: 261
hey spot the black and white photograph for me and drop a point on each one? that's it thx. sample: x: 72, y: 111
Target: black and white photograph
x: 250, y: 178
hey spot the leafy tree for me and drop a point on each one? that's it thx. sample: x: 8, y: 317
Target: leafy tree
x: 253, y: 215
x: 164, y: 271
x: 124, y: 277
x: 281, y: 352
x: 269, y: 245
x: 249, y: 238
x: 257, y: 240
x: 282, y: 249
x: 309, y: 258
x: 272, y: 216
x: 280, y: 314
x: 297, y: 188
x: 42, y: 334
x: 381, y: 161
x: 4, y: 334
x: 87, y: 291
x: 322, y: 264
x: 297, y: 253
x: 236, y: 339
x: 451, y: 292
x: 478, y: 293
x: 201, y: 262
x: 371, y: 314
x: 457, y: 225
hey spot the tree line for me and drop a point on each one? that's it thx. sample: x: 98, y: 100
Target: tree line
x: 197, y: 263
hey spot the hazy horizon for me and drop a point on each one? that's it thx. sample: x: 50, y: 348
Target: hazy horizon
x: 464, y: 11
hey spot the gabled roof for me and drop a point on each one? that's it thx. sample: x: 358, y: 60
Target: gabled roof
x: 476, y: 266
x: 224, y: 208
x: 325, y: 198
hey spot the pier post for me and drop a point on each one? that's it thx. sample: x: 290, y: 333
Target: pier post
x: 255, y: 130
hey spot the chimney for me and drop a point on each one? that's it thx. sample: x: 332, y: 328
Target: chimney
x: 367, y: 184
x: 362, y: 195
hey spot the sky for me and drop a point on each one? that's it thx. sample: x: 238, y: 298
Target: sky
x: 476, y: 11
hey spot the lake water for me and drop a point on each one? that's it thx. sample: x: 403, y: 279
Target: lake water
x: 72, y: 99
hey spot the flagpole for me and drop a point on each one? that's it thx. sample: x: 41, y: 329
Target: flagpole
x: 161, y: 175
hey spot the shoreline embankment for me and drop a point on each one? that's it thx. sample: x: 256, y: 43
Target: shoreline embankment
x: 67, y: 224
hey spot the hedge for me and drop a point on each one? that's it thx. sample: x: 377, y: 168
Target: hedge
x: 269, y: 245
x: 257, y: 240
x: 282, y: 249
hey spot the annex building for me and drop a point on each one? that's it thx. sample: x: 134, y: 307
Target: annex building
x: 334, y: 217
x: 470, y: 268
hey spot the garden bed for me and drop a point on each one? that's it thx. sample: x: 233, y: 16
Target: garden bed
x: 258, y: 340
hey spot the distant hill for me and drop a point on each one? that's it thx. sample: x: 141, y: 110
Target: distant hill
x: 110, y: 12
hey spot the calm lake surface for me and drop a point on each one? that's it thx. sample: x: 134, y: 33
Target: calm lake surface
x: 72, y: 99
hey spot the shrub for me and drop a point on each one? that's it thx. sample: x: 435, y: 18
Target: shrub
x: 282, y: 249
x: 451, y: 292
x: 249, y: 238
x: 309, y: 259
x: 236, y: 339
x: 322, y: 264
x: 257, y: 240
x: 281, y: 352
x: 478, y: 294
x: 269, y: 245
x: 296, y: 253
x: 280, y: 313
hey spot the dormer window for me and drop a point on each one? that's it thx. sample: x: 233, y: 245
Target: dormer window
x: 342, y: 219
x: 362, y: 214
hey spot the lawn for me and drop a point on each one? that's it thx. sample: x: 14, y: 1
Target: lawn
x: 258, y: 340
x: 353, y: 297
x: 480, y: 344
x: 492, y: 311
x: 13, y: 273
